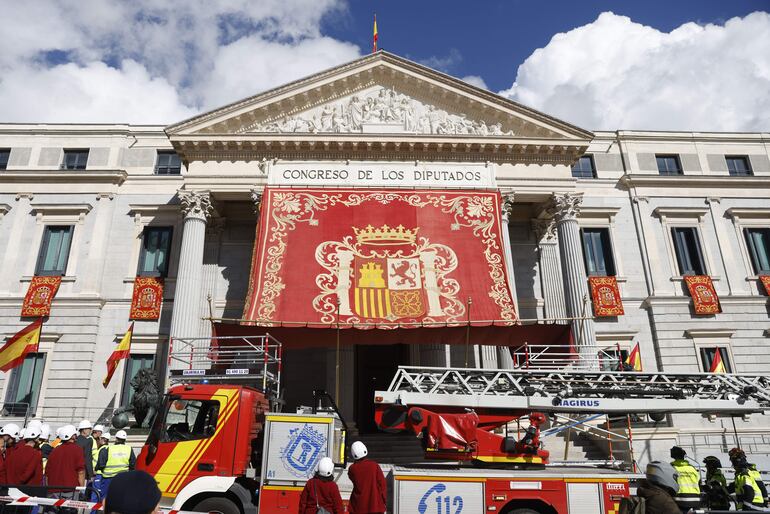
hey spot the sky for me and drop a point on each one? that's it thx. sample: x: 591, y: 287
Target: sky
x: 654, y: 65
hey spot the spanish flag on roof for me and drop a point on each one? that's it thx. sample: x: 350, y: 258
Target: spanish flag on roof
x: 718, y: 365
x: 634, y: 358
x: 374, y: 35
x: 121, y: 352
x: 13, y: 352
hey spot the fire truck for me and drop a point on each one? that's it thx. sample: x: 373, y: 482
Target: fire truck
x: 219, y: 443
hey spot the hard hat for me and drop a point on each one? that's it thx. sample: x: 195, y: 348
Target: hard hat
x: 11, y: 429
x: 21, y: 433
x: 663, y: 474
x: 67, y: 432
x: 45, y: 432
x: 121, y: 434
x: 58, y: 433
x: 325, y: 467
x: 107, y: 436
x: 84, y: 424
x: 98, y: 428
x: 736, y: 453
x: 35, y: 423
x: 713, y: 460
x: 358, y: 450
x: 32, y: 432
x: 677, y: 452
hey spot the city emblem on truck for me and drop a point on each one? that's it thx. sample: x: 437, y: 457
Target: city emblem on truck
x: 300, y: 456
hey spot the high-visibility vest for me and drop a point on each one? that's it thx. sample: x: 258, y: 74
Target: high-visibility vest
x: 742, y: 479
x: 95, y: 457
x: 718, y: 477
x: 689, y: 481
x: 118, y: 460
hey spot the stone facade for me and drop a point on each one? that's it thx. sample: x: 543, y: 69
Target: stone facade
x: 228, y: 156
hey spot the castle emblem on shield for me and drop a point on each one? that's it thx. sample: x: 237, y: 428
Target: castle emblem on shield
x: 388, y: 274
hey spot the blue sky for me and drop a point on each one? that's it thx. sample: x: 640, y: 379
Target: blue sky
x: 675, y: 65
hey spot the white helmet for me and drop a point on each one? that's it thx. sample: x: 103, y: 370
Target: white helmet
x: 45, y: 432
x: 21, y: 433
x: 325, y: 467
x: 11, y: 429
x: 84, y: 424
x: 358, y: 450
x: 107, y: 436
x: 35, y: 423
x: 67, y: 432
x: 32, y: 432
x: 121, y: 434
x: 98, y: 428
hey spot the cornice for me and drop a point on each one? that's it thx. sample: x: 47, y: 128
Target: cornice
x: 705, y: 181
x: 748, y: 212
x: 112, y: 177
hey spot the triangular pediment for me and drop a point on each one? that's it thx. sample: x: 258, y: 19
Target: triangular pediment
x: 379, y: 94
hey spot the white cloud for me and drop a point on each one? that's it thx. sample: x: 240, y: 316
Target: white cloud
x: 475, y: 80
x: 616, y: 74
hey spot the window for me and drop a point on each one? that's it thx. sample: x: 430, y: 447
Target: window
x: 24, y: 387
x: 597, y: 252
x: 4, y: 155
x: 156, y: 245
x: 758, y: 241
x: 186, y: 420
x: 134, y: 364
x: 738, y: 166
x: 168, y: 163
x: 707, y: 355
x: 668, y: 164
x: 611, y: 359
x: 75, y: 159
x: 688, y: 251
x: 54, y: 250
x: 584, y: 168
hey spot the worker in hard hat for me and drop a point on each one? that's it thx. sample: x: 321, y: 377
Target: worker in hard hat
x: 100, y: 487
x: 25, y: 465
x: 737, y: 454
x: 321, y: 491
x: 370, y: 491
x: 717, y: 495
x: 747, y: 493
x: 658, y: 489
x: 86, y: 442
x: 688, y: 496
x: 115, y: 459
x: 8, y: 436
x: 66, y: 465
x: 44, y: 444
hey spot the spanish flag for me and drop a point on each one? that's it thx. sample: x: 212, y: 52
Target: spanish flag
x: 634, y: 358
x: 374, y: 35
x: 121, y: 352
x: 718, y: 365
x: 13, y: 352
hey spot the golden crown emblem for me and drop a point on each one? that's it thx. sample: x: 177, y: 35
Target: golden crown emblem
x: 385, y: 235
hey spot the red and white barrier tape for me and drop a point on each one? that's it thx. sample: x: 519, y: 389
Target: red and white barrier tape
x: 73, y: 504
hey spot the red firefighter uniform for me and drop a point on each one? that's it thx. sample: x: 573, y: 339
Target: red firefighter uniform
x: 369, y: 488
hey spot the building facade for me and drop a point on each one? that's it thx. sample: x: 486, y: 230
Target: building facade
x: 100, y: 205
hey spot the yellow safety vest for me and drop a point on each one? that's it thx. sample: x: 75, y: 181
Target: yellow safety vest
x: 746, y: 478
x: 95, y: 457
x: 689, y: 480
x: 118, y: 460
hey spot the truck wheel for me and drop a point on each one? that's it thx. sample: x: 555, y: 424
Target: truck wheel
x: 221, y: 505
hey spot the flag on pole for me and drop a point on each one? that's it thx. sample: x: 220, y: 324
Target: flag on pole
x: 718, y: 365
x: 121, y: 352
x: 13, y: 352
x: 374, y: 35
x: 634, y: 358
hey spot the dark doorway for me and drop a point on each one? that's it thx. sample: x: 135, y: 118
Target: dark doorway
x: 375, y: 367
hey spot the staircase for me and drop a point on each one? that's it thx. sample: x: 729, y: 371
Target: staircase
x: 581, y: 447
x: 392, y: 448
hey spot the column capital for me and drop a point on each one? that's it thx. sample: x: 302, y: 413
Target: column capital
x: 565, y: 206
x: 545, y: 230
x: 506, y: 206
x: 195, y: 204
x: 256, y: 197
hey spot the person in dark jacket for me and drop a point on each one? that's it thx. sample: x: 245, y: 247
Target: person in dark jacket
x: 747, y: 492
x: 370, y: 491
x: 86, y: 442
x: 321, y: 491
x: 659, y: 489
x: 717, y: 496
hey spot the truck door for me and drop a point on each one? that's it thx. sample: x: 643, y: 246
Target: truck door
x: 188, y: 440
x: 584, y: 498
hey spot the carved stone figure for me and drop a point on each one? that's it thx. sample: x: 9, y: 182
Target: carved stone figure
x: 145, y: 402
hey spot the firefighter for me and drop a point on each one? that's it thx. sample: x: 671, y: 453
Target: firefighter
x: 717, y: 495
x: 86, y: 442
x: 100, y: 489
x: 737, y: 453
x: 688, y: 496
x: 25, y: 465
x: 115, y: 459
x: 747, y: 492
x: 370, y: 490
x: 66, y: 465
x: 321, y: 491
x: 659, y: 488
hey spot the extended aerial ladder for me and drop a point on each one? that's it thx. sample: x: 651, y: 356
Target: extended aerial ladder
x: 455, y: 410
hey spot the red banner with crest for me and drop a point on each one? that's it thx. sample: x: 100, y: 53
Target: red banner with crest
x: 379, y: 258
x: 147, y: 298
x: 704, y: 296
x: 606, y: 296
x: 37, y: 301
x: 765, y: 279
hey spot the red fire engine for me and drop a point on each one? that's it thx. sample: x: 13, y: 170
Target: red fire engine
x: 216, y: 445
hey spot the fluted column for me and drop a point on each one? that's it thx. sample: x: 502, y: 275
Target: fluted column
x: 504, y: 359
x: 434, y: 355
x: 551, y: 279
x: 185, y: 319
x: 347, y: 388
x: 209, y: 272
x: 565, y: 208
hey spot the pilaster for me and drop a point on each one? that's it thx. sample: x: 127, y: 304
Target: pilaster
x: 550, y: 269
x: 9, y: 272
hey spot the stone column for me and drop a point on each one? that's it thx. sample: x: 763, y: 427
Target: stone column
x: 209, y: 273
x: 550, y: 270
x: 346, y: 400
x: 504, y: 360
x: 434, y: 355
x: 185, y: 319
x: 565, y: 208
